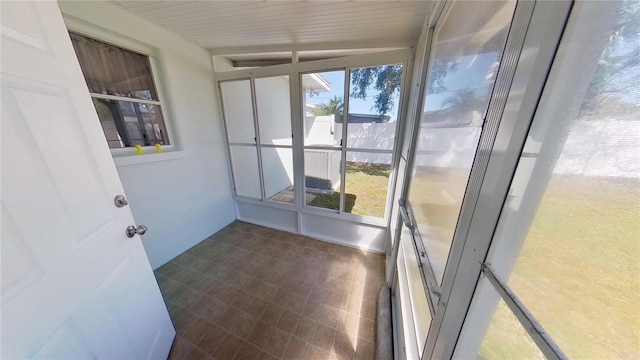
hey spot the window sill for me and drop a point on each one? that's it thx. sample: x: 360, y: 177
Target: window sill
x: 128, y: 160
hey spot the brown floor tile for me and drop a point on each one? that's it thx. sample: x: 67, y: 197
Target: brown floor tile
x: 182, y: 319
x: 260, y: 333
x: 272, y: 313
x: 366, y: 330
x: 228, y: 347
x: 316, y: 353
x: 306, y: 328
x: 277, y: 342
x: 247, y: 351
x: 196, y: 354
x: 243, y: 324
x: 201, y: 305
x: 212, y: 339
x: 323, y: 337
x: 296, y: 350
x: 180, y: 349
x: 243, y: 300
x: 228, y: 319
x: 288, y: 321
x: 364, y: 350
x: 248, y: 292
x: 343, y: 346
x: 266, y: 356
x: 257, y: 306
x: 214, y: 310
x: 197, y: 330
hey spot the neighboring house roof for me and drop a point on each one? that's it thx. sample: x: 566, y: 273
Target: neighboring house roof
x: 315, y: 83
x: 365, y: 118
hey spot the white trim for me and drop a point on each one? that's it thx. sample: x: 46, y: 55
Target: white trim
x: 353, y: 61
x: 124, y: 98
x: 340, y: 45
x: 343, y: 243
x: 131, y: 159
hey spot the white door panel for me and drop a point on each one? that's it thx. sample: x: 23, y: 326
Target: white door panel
x: 73, y: 285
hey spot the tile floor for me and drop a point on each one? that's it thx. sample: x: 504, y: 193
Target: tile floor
x: 249, y: 292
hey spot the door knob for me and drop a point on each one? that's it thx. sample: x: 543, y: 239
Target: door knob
x: 120, y: 201
x: 132, y: 230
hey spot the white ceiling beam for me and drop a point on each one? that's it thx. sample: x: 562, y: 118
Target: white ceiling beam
x: 338, y: 45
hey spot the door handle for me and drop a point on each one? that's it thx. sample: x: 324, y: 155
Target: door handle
x: 132, y: 230
x: 120, y: 201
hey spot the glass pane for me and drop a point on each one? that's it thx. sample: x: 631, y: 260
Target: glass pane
x: 323, y: 102
x: 244, y: 160
x: 417, y: 291
x: 274, y: 110
x: 127, y: 124
x: 367, y: 183
x: 492, y: 331
x: 238, y: 111
x: 373, y: 107
x: 322, y: 178
x: 111, y: 70
x: 572, y: 222
x: 462, y: 71
x: 277, y: 165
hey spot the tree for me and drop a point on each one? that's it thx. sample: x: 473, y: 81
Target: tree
x: 618, y: 59
x: 386, y: 79
x: 334, y: 107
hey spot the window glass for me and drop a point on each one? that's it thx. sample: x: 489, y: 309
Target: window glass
x: 323, y: 104
x: 123, y: 92
x: 127, y: 123
x: 277, y: 164
x: 373, y: 107
x: 568, y: 237
x: 110, y: 70
x: 466, y: 56
x: 417, y: 296
x: 246, y: 174
x: 322, y: 178
x: 494, y: 332
x: 274, y: 110
x: 238, y: 111
x: 367, y: 183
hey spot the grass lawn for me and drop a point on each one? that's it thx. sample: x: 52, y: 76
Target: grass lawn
x: 579, y: 270
x: 365, y: 190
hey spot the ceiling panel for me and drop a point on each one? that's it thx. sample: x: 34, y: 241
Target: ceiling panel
x: 236, y: 24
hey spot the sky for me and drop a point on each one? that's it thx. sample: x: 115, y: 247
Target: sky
x: 357, y: 106
x: 471, y: 74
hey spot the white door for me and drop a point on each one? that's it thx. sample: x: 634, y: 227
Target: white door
x: 73, y: 284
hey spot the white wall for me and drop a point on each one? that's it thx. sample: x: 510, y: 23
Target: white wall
x: 187, y: 197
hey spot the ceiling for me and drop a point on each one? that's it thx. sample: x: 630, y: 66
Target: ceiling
x: 233, y: 26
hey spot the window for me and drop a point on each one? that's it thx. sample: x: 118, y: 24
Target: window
x: 566, y: 246
x: 363, y: 145
x: 124, y: 93
x: 257, y: 116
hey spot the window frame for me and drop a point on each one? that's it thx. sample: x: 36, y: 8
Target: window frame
x: 295, y: 71
x: 95, y: 32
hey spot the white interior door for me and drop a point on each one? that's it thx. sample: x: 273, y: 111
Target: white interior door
x: 73, y: 284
